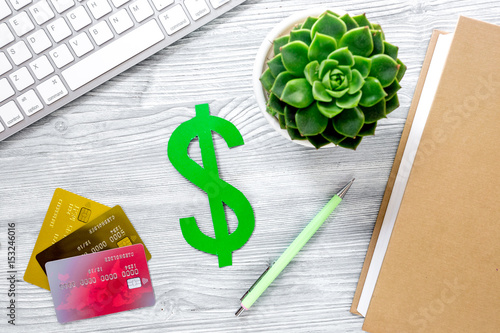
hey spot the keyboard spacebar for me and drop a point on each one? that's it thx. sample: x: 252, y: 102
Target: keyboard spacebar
x: 113, y: 54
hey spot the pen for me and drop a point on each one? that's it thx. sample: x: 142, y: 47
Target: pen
x: 273, y: 271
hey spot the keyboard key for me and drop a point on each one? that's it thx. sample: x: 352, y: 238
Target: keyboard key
x: 22, y: 79
x: 197, y: 8
x: 1, y: 127
x: 21, y: 23
x: 41, y: 12
x: 5, y: 35
x: 81, y: 44
x: 121, y: 21
x: 160, y: 4
x: 174, y: 19
x: 10, y: 114
x: 61, y: 56
x: 41, y: 67
x: 19, y: 52
x: 218, y: 3
x: 118, y: 3
x: 39, y: 41
x: 59, y: 30
x: 62, y: 5
x: 5, y: 90
x: 98, y: 8
x: 113, y: 54
x: 101, y: 33
x: 52, y: 90
x: 5, y: 65
x: 18, y: 4
x: 4, y: 9
x: 79, y: 18
x: 141, y: 9
x: 30, y: 103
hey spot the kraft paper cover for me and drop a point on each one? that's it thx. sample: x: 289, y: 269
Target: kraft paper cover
x: 441, y: 272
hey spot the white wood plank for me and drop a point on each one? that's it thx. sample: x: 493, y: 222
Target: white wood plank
x: 110, y: 145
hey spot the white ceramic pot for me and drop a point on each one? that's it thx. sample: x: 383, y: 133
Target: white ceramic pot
x: 266, y: 53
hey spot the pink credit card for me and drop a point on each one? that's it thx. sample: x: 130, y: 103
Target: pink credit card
x: 100, y: 283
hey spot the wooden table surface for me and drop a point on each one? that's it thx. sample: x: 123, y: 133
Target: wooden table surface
x: 111, y: 146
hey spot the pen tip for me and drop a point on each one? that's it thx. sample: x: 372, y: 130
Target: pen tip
x: 240, y: 311
x: 346, y: 188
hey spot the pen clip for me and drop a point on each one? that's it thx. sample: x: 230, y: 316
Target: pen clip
x: 257, y: 281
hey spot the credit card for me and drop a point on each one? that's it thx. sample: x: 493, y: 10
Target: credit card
x: 67, y: 212
x: 100, y: 283
x: 109, y: 230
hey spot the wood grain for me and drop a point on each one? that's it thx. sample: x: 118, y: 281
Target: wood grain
x: 110, y: 145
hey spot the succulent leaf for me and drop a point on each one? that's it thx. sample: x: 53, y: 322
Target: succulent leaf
x: 359, y: 41
x: 401, y: 71
x: 320, y: 94
x: 391, y: 50
x: 275, y: 104
x: 276, y: 65
x: 362, y: 65
x: 378, y: 42
x: 349, y: 122
x: 309, y: 23
x: 321, y: 47
x: 372, y: 92
x: 349, y: 22
x: 378, y: 27
x: 356, y: 83
x: 337, y: 93
x: 332, y: 135
x: 329, y: 25
x: 326, y: 81
x: 317, y: 141
x: 311, y: 72
x: 295, y: 57
x: 368, y: 129
x: 295, y: 134
x: 392, y: 89
x: 327, y: 66
x: 280, y: 83
x: 343, y: 56
x: 298, y: 93
x: 384, y: 68
x: 348, y: 101
x: 310, y: 121
x: 391, y: 104
x: 351, y: 143
x: 329, y: 110
x: 374, y: 113
x: 282, y: 121
x: 279, y: 43
x: 267, y: 79
x: 290, y: 113
x: 329, y: 12
x: 362, y: 21
x: 302, y: 35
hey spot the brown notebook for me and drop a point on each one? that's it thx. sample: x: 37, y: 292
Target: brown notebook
x: 441, y: 271
x: 395, y: 168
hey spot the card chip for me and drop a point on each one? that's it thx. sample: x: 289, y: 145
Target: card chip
x: 124, y: 242
x: 134, y: 283
x: 84, y: 215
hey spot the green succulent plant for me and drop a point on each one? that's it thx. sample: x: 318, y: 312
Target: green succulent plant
x: 332, y: 78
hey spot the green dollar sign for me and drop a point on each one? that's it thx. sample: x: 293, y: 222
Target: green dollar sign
x: 207, y: 178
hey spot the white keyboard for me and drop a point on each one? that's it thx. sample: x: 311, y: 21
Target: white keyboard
x: 53, y: 51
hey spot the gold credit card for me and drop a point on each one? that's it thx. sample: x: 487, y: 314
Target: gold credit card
x: 67, y: 212
x: 110, y: 230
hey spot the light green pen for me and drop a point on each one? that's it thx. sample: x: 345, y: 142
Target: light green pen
x: 273, y: 271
